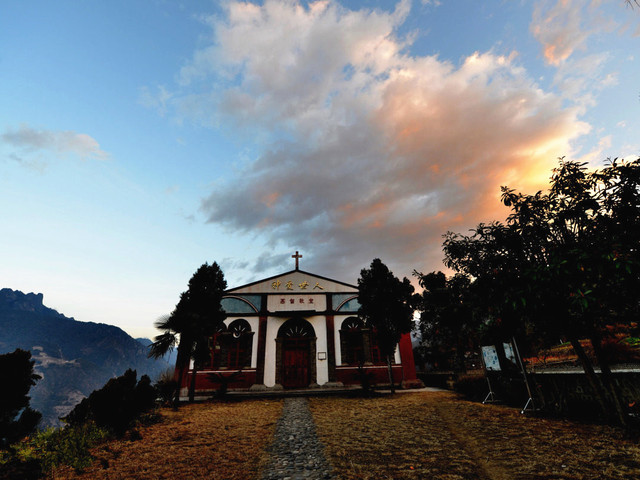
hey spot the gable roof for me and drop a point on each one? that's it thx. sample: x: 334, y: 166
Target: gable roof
x: 299, y: 281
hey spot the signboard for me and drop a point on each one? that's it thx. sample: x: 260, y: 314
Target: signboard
x: 490, y: 357
x: 293, y: 302
x: 509, y: 353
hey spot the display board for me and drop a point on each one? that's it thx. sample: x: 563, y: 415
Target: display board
x: 509, y: 353
x: 490, y: 357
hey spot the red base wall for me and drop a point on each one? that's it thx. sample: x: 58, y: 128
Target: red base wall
x: 206, y: 384
x: 378, y: 373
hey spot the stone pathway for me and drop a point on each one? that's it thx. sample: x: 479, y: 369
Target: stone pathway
x: 296, y: 453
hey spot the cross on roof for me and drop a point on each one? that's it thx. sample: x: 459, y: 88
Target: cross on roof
x: 297, y: 256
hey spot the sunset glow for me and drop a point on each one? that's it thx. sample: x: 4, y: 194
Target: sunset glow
x: 139, y: 141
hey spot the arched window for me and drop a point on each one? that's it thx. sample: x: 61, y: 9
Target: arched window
x: 351, y: 341
x: 296, y: 328
x: 359, y: 343
x: 231, y: 346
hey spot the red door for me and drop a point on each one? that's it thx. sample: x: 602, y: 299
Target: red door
x: 295, y: 365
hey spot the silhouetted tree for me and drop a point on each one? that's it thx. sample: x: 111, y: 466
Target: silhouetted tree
x: 447, y: 324
x: 194, y: 320
x: 386, y: 306
x: 565, y: 264
x: 17, y: 419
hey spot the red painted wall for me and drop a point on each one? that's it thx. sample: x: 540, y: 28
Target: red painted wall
x: 205, y: 384
x: 406, y: 357
x: 379, y: 374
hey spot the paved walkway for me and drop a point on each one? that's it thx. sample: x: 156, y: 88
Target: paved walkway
x: 296, y: 453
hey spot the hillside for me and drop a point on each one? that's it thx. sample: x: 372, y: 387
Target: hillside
x: 74, y: 358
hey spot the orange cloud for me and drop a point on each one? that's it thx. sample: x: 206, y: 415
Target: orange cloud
x: 384, y: 152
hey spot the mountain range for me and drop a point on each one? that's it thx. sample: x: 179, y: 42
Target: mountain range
x: 72, y: 357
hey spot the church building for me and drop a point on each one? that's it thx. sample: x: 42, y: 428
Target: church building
x: 297, y: 330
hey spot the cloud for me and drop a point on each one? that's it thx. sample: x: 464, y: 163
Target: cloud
x: 29, y: 140
x: 559, y: 28
x: 366, y: 151
x: 158, y: 101
x: 564, y: 28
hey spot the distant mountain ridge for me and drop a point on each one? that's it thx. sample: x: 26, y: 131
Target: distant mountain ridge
x: 169, y: 357
x: 74, y: 358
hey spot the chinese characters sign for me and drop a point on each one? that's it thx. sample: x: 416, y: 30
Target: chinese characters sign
x: 296, y: 301
x: 291, y: 286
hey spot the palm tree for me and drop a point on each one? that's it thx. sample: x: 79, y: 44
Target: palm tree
x: 175, y: 333
x: 194, y: 320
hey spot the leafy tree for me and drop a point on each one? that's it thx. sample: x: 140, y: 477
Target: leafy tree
x: 447, y: 324
x: 386, y: 305
x: 17, y: 419
x: 565, y: 264
x: 194, y: 320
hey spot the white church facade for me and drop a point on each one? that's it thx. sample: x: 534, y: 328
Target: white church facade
x: 297, y: 330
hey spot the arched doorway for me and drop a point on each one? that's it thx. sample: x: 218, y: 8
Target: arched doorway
x: 295, y: 354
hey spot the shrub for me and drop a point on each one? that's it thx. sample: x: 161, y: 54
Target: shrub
x: 472, y: 387
x: 48, y: 449
x: 116, y: 405
x: 166, y: 387
x: 62, y: 446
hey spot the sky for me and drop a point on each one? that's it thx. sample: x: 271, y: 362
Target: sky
x: 141, y: 139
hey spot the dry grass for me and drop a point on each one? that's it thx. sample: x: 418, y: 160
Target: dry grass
x: 437, y: 436
x: 209, y: 440
x: 425, y: 435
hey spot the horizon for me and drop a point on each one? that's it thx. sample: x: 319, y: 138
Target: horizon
x: 141, y: 140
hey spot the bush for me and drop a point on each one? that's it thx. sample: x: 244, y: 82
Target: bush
x: 66, y: 446
x: 17, y: 419
x: 166, y: 387
x: 46, y: 450
x: 472, y: 387
x: 117, y: 405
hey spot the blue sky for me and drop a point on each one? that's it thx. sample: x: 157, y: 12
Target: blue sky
x: 139, y: 140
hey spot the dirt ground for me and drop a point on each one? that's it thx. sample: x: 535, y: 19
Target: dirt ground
x: 418, y: 435
x: 434, y: 435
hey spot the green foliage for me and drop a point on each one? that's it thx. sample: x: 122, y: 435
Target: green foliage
x: 111, y: 410
x: 16, y: 377
x: 66, y: 446
x: 117, y: 405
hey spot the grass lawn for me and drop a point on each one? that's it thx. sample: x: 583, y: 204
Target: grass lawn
x: 418, y: 435
x: 205, y: 440
x: 434, y: 435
